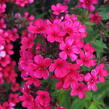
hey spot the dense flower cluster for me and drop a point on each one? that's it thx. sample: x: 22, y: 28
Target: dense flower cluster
x: 87, y: 4
x: 61, y: 54
x: 21, y: 3
x: 7, y: 65
x: 73, y: 53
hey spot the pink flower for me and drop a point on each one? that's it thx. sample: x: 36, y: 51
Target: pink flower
x: 15, y: 87
x: 1, y: 107
x: 87, y: 4
x: 86, y: 59
x: 27, y: 42
x: 43, y: 98
x: 13, y: 98
x: 73, y: 77
x: 60, y: 67
x: 22, y: 3
x: 95, y: 18
x: 40, y: 66
x: 37, y: 26
x: 26, y: 89
x: 89, y: 48
x: 27, y: 100
x: 2, y: 8
x: 68, y: 49
x: 7, y: 105
x: 100, y: 72
x: 9, y: 73
x: 30, y: 81
x: 2, y: 23
x: 91, y: 81
x: 59, y: 8
x: 73, y: 28
x: 10, y: 35
x: 2, y: 51
x: 5, y: 61
x: 79, y: 89
x: 54, y: 33
x: 28, y: 17
x: 59, y: 85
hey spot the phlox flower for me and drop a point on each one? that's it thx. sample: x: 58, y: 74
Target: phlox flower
x: 13, y: 98
x: 2, y: 23
x: 37, y: 26
x: 2, y: 51
x: 5, y: 61
x: 54, y: 33
x: 95, y: 18
x: 30, y: 81
x: 22, y: 3
x: 60, y: 68
x: 9, y: 73
x: 10, y: 35
x: 27, y: 42
x: 2, y: 8
x: 40, y: 67
x: 73, y: 76
x: 87, y: 4
x: 27, y: 100
x: 73, y: 28
x: 68, y: 49
x: 91, y: 81
x: 15, y: 87
x: 7, y: 105
x: 88, y: 48
x: 59, y: 8
x: 87, y: 59
x: 100, y: 72
x: 79, y: 89
x: 43, y: 98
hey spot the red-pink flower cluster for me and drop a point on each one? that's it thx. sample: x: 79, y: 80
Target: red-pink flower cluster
x: 70, y: 56
x: 41, y: 101
x: 7, y: 66
x: 50, y: 49
x: 21, y: 3
x: 87, y: 4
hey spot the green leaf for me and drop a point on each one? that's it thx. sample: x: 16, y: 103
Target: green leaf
x: 89, y: 23
x: 93, y: 106
x: 104, y: 12
x: 103, y: 90
x: 100, y: 46
x: 79, y: 103
x: 84, y: 68
x: 64, y: 98
x: 91, y: 35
